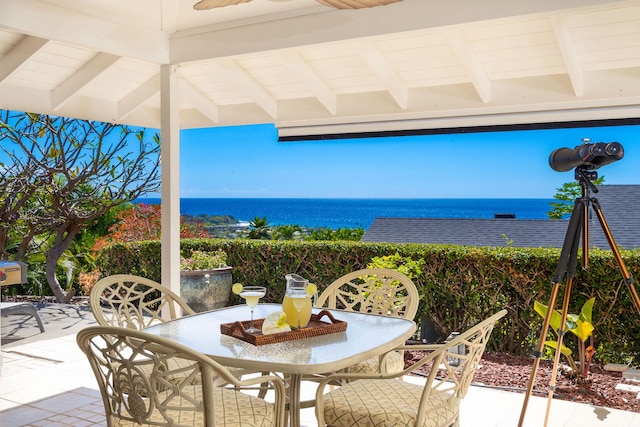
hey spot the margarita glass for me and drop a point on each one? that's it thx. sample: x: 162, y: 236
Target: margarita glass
x: 252, y: 295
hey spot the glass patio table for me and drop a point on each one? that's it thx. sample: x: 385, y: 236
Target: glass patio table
x: 367, y: 335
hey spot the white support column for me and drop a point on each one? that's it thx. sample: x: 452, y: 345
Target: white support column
x: 170, y: 167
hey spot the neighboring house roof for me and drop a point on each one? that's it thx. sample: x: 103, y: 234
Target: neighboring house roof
x: 620, y: 206
x: 621, y: 209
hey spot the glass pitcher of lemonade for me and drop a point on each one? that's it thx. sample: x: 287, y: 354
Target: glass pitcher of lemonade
x: 299, y: 283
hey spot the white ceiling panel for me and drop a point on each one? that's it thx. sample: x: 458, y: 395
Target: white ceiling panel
x: 300, y: 64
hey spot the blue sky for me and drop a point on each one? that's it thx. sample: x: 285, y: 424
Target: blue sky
x: 248, y: 161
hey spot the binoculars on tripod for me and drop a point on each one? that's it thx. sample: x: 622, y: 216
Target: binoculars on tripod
x: 585, y: 156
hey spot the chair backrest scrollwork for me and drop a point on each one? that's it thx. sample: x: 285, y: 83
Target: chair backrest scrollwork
x: 373, y: 290
x: 134, y: 302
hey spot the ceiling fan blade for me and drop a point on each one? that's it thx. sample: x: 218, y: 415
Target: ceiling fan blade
x: 211, y: 4
x: 355, y: 4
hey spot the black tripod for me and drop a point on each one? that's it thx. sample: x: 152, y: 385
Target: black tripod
x: 578, y: 224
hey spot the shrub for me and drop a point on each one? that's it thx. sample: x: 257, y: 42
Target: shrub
x: 459, y: 285
x: 201, y: 260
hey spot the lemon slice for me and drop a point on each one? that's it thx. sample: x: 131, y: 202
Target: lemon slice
x: 275, y: 322
x: 236, y: 288
x: 312, y: 289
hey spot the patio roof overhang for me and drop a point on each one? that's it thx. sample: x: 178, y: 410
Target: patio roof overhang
x: 313, y: 70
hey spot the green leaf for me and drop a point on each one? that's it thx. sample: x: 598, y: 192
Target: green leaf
x: 587, y: 309
x: 572, y: 321
x: 583, y: 330
x: 541, y: 309
x: 582, y: 327
x: 564, y: 350
x: 579, y: 325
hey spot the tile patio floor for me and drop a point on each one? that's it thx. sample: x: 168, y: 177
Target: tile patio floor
x: 46, y: 381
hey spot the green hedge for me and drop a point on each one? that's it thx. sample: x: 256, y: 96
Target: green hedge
x: 459, y: 285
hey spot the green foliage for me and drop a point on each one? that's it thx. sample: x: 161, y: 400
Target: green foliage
x: 506, y: 239
x: 459, y: 285
x: 201, y: 260
x: 59, y: 178
x: 286, y: 232
x: 226, y: 226
x: 328, y: 234
x: 36, y: 279
x: 565, y: 196
x: 407, y: 266
x: 580, y: 325
x: 259, y: 228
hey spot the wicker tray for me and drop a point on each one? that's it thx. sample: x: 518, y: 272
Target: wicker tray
x: 315, y: 328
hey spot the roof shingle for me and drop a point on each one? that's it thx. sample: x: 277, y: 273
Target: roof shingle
x: 620, y: 206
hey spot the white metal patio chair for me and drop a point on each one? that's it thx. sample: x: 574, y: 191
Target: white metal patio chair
x: 384, y: 399
x: 153, y: 381
x: 134, y: 302
x: 374, y: 290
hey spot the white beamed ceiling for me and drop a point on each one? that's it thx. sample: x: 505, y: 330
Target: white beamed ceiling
x: 300, y: 65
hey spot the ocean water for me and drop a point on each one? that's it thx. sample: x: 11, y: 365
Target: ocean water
x: 352, y: 213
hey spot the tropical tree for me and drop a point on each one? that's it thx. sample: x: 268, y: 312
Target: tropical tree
x: 59, y: 175
x: 565, y: 196
x: 286, y: 232
x: 259, y: 228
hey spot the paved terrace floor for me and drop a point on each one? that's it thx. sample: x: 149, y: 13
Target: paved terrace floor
x: 46, y: 381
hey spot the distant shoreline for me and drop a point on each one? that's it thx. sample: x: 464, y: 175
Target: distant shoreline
x: 356, y: 213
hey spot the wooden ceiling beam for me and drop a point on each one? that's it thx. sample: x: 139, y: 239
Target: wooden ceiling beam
x: 90, y: 71
x: 19, y: 55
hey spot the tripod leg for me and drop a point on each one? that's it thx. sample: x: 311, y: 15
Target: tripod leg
x: 558, y: 350
x: 567, y: 298
x: 538, y: 352
x: 568, y: 256
x: 628, y: 279
x: 571, y: 272
x: 563, y: 318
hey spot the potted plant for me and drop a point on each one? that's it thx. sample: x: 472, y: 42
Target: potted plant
x: 205, y: 280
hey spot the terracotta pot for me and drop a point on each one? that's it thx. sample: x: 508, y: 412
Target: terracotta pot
x: 206, y: 290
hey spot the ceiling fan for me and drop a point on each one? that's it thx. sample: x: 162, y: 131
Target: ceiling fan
x: 337, y: 4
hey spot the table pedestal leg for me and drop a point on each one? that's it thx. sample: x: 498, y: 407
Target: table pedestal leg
x: 294, y: 400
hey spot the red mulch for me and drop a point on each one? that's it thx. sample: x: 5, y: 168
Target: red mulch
x: 512, y: 373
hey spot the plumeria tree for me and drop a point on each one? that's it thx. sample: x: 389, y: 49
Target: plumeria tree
x: 59, y: 175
